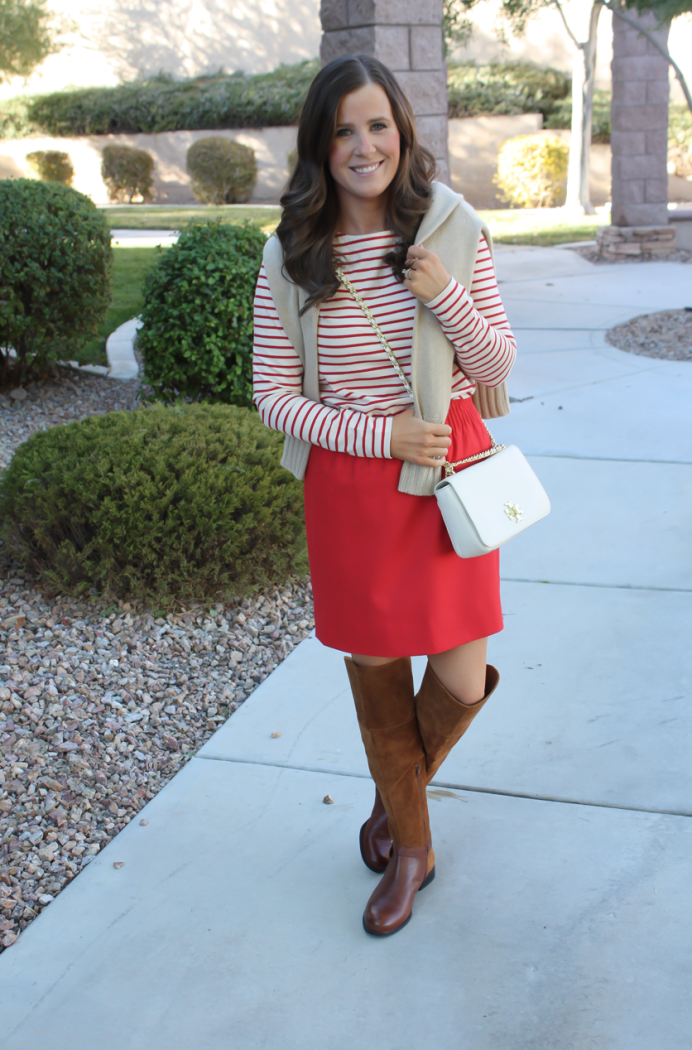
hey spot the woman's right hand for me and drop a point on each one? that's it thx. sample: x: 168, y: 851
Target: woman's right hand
x: 419, y: 442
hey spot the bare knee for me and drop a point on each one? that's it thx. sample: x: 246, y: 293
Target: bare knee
x: 462, y: 670
x: 371, y: 661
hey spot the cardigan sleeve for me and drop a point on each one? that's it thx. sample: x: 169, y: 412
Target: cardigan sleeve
x: 277, y: 381
x: 476, y: 324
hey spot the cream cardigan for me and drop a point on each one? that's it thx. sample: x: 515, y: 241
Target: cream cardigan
x: 451, y: 229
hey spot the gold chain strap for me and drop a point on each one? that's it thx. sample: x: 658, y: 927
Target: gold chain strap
x: 448, y: 467
x: 378, y: 331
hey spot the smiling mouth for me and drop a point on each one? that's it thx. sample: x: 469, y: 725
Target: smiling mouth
x: 367, y: 169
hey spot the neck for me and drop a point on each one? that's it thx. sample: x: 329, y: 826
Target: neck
x: 361, y: 215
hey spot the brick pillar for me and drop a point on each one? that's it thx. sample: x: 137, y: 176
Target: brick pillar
x: 407, y: 36
x: 639, y: 115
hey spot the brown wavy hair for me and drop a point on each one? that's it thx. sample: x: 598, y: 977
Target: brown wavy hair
x: 310, y: 204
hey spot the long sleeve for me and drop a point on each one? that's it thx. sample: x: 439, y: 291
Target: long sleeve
x: 476, y: 323
x: 277, y: 380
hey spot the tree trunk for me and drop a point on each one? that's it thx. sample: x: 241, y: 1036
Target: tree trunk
x: 583, y: 80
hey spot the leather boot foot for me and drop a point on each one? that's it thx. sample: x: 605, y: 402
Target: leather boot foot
x: 375, y: 839
x: 409, y: 870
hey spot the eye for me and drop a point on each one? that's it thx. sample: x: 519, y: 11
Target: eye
x: 378, y: 126
x: 342, y: 133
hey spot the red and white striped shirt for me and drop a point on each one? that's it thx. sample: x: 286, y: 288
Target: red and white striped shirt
x: 359, y: 388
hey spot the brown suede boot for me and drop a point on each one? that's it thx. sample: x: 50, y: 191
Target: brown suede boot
x: 442, y: 719
x: 387, y: 718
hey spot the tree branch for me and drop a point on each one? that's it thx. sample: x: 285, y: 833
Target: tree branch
x: 620, y: 13
x: 567, y: 26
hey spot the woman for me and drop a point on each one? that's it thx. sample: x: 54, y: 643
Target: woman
x: 387, y: 584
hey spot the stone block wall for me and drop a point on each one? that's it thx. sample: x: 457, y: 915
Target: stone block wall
x: 639, y: 136
x: 407, y: 36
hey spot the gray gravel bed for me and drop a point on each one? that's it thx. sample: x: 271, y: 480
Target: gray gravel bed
x: 667, y: 335
x: 75, y: 395
x: 100, y: 706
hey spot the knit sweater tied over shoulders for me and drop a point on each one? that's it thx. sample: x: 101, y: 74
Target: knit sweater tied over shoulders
x: 455, y: 233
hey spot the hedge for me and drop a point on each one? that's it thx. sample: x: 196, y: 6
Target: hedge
x: 164, y: 104
x: 263, y: 100
x: 500, y: 88
x: 185, y: 501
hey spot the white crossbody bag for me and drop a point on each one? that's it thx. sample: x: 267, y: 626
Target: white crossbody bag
x: 489, y: 503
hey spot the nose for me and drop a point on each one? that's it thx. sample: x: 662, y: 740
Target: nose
x: 366, y: 146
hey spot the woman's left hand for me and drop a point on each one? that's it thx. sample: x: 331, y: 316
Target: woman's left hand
x: 427, y: 276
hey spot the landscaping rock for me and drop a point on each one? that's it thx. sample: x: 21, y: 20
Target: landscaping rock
x: 667, y: 335
x: 100, y: 705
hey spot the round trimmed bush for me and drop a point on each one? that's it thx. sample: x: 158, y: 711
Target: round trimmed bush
x: 222, y: 171
x: 196, y: 338
x: 52, y: 165
x: 188, y: 500
x: 55, y: 274
x: 532, y: 171
x: 127, y: 173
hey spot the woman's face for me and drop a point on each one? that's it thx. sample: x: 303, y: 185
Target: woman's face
x: 364, y: 155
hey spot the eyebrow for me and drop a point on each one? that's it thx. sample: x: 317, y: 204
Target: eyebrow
x: 346, y: 124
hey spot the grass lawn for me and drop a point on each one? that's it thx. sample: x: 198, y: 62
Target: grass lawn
x: 130, y: 267
x: 164, y: 217
x: 538, y: 226
x: 542, y: 226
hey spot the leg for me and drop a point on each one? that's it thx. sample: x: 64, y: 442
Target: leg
x: 455, y: 687
x: 372, y: 661
x: 462, y: 670
x: 383, y: 694
x: 375, y: 837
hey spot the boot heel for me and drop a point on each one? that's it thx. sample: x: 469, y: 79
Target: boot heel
x: 427, y: 880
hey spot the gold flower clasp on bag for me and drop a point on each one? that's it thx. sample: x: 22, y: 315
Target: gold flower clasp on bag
x: 513, y: 512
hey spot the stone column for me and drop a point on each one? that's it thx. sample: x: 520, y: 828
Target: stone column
x: 639, y: 116
x: 407, y: 36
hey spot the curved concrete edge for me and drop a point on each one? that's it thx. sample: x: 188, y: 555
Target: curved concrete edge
x: 120, y: 350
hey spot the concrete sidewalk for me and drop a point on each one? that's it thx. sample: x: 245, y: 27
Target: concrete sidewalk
x: 560, y: 917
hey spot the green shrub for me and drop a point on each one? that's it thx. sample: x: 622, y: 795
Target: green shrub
x: 561, y: 116
x: 15, y: 122
x: 196, y: 338
x: 55, y: 274
x: 52, y: 166
x: 127, y: 173
x: 187, y: 501
x: 532, y: 171
x: 163, y: 104
x: 222, y: 171
x: 504, y: 88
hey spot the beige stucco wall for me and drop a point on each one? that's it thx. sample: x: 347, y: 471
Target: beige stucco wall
x: 172, y: 183
x: 118, y: 40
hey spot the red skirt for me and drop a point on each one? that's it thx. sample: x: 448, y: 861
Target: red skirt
x: 385, y: 578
